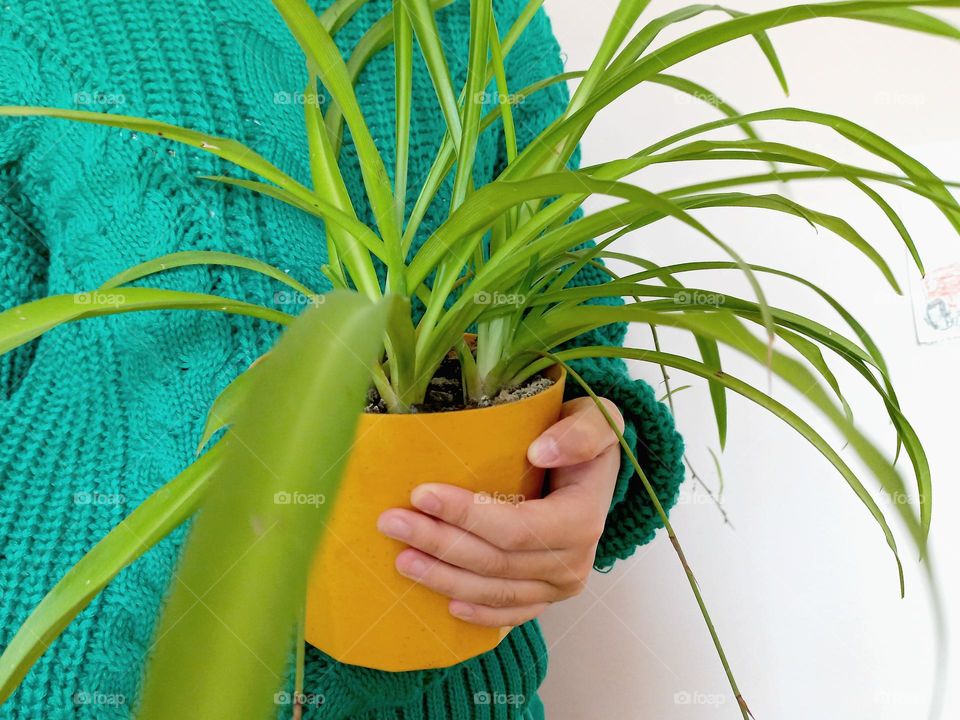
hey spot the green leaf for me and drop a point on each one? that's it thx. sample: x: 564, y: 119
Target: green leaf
x: 481, y: 16
x: 905, y: 432
x: 811, y: 353
x: 699, y: 92
x: 202, y: 257
x: 339, y: 14
x: 317, y: 207
x: 846, y: 349
x: 858, y: 135
x: 230, y: 150
x: 401, y: 354
x: 443, y: 162
x: 23, y: 323
x: 505, y: 103
x: 844, y: 172
x: 324, y: 56
x: 907, y: 18
x: 723, y: 326
x: 329, y: 186
x: 674, y: 540
x: 778, y: 203
x: 240, y: 587
x: 154, y: 519
x: 623, y: 20
x: 376, y: 38
x: 428, y: 34
x: 491, y: 201
x: 709, y: 351
x: 228, y: 403
x: 403, y: 53
x: 620, y: 25
x: 766, y: 47
x: 672, y: 392
x: 698, y: 300
x: 570, y: 129
x: 788, y: 416
x: 636, y: 47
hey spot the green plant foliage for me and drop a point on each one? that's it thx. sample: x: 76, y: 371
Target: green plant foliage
x: 239, y: 590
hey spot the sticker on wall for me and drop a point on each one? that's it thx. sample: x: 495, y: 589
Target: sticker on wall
x: 936, y: 304
x: 936, y: 295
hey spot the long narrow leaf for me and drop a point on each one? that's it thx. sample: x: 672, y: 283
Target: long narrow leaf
x: 190, y: 258
x: 230, y: 150
x: 240, y: 587
x: 779, y: 409
x: 328, y: 185
x: 22, y: 324
x: 154, y: 519
x: 322, y: 53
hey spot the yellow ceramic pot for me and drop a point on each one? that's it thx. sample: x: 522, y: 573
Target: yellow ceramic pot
x: 360, y: 610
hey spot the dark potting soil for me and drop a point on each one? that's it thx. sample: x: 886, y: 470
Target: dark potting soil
x: 445, y: 392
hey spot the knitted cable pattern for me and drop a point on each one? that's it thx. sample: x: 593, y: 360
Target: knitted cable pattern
x: 97, y: 415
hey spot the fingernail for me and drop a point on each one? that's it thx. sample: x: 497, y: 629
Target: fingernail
x: 394, y: 527
x: 426, y: 501
x: 415, y: 568
x: 461, y: 610
x: 544, y: 451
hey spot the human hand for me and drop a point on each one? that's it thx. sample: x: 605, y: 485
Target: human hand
x: 503, y: 564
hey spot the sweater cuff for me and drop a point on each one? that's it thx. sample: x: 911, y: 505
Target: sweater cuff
x: 650, y: 432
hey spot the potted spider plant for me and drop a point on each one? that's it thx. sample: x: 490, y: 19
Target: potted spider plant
x: 467, y: 332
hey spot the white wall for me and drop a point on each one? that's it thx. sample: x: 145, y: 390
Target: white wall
x: 803, y: 591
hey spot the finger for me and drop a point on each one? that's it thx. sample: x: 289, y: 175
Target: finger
x: 572, y: 515
x: 552, y: 523
x: 458, y: 547
x: 581, y: 434
x: 496, y: 617
x: 459, y: 584
x: 588, y: 487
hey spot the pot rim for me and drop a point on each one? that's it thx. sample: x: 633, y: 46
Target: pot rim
x: 555, y: 372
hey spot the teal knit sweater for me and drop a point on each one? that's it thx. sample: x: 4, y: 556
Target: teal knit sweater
x: 98, y: 414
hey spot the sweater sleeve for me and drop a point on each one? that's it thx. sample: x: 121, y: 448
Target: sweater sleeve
x: 650, y: 430
x: 23, y: 253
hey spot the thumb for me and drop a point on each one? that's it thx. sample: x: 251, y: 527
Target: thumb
x: 582, y: 434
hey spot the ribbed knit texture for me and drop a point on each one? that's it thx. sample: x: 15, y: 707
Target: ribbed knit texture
x: 97, y: 415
